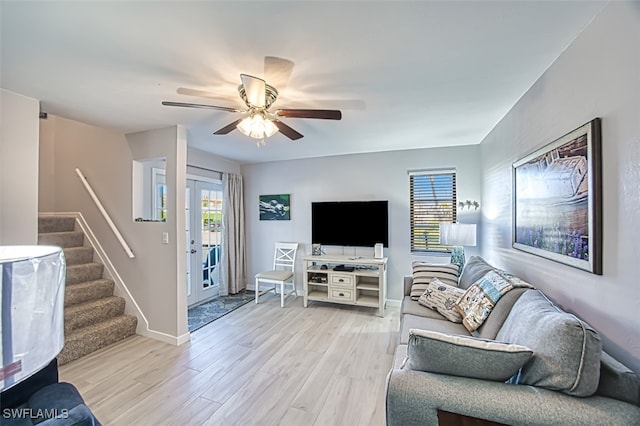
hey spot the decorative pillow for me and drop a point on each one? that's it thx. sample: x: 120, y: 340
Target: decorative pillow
x: 478, y: 301
x: 423, y: 273
x: 442, y: 298
x: 567, y: 350
x: 464, y: 356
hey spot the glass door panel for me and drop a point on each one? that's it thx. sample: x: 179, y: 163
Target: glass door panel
x: 204, y: 240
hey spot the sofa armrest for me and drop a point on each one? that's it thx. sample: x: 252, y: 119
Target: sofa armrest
x: 414, y: 398
x: 408, y: 282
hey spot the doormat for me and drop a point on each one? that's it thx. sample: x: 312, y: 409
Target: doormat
x: 203, y: 314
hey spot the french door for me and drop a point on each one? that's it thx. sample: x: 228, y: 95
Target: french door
x: 203, y: 208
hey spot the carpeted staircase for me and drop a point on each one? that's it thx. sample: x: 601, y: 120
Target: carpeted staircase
x: 93, y: 316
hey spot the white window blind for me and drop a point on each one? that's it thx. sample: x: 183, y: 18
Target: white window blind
x: 433, y: 200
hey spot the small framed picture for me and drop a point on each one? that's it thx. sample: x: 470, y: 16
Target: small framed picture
x: 275, y: 207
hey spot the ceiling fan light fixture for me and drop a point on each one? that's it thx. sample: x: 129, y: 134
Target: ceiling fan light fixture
x: 257, y: 127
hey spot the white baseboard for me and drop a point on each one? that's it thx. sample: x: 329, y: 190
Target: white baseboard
x: 167, y: 338
x: 394, y: 303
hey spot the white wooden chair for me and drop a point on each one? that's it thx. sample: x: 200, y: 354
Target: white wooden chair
x: 283, y: 272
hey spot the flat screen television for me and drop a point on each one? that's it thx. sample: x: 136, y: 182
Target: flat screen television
x: 350, y: 223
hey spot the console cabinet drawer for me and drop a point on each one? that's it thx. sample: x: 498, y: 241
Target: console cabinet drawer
x: 341, y: 294
x: 342, y: 280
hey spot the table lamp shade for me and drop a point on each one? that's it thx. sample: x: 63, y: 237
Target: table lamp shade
x: 458, y: 234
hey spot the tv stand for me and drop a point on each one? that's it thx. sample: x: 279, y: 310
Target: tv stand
x: 365, y: 285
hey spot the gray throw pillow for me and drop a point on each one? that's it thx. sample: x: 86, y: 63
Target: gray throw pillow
x: 566, y: 350
x: 475, y: 268
x: 464, y: 356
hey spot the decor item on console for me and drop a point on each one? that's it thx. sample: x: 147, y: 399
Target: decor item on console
x: 378, y: 249
x: 557, y: 211
x: 458, y: 235
x: 529, y: 362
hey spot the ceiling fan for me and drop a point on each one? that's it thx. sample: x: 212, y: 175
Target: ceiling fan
x: 258, y: 121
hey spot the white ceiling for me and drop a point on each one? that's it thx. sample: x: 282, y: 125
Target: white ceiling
x: 406, y: 74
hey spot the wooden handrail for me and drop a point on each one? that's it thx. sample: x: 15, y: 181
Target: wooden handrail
x: 106, y: 216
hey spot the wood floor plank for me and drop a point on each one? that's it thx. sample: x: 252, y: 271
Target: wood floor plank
x: 261, y: 364
x: 239, y: 373
x: 195, y: 413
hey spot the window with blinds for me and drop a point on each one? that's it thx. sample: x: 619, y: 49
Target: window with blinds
x: 433, y: 200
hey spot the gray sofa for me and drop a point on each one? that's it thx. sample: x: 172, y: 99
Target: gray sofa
x: 575, y: 382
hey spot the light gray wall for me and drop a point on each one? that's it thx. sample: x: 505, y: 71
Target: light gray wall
x: 162, y: 266
x: 597, y: 76
x: 208, y: 161
x: 18, y: 169
x: 156, y: 276
x: 376, y: 176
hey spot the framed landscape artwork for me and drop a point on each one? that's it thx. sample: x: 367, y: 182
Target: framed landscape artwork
x: 557, y: 199
x: 275, y: 207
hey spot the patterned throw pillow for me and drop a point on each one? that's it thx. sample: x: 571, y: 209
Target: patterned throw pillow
x: 478, y: 301
x: 442, y: 298
x: 423, y: 273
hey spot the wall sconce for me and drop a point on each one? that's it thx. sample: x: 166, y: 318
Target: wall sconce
x: 468, y: 204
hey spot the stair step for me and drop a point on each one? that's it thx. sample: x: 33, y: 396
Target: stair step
x: 93, y: 312
x: 85, y: 340
x: 78, y: 255
x: 62, y: 239
x: 84, y: 272
x: 87, y: 291
x: 56, y: 224
x: 93, y: 317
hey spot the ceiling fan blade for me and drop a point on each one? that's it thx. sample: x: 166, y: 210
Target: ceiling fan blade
x: 287, y: 131
x: 277, y: 71
x: 206, y: 94
x: 228, y: 128
x: 255, y: 89
x: 325, y: 114
x: 182, y: 104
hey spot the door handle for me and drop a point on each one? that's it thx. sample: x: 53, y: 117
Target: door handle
x: 194, y: 251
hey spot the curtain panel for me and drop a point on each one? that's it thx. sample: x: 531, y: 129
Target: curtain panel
x: 233, y: 268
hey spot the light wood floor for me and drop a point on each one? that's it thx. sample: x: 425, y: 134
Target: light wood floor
x: 261, y: 364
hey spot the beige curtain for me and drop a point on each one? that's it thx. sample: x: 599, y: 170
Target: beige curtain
x: 233, y: 265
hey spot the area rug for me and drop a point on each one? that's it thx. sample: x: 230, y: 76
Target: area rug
x: 207, y: 312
